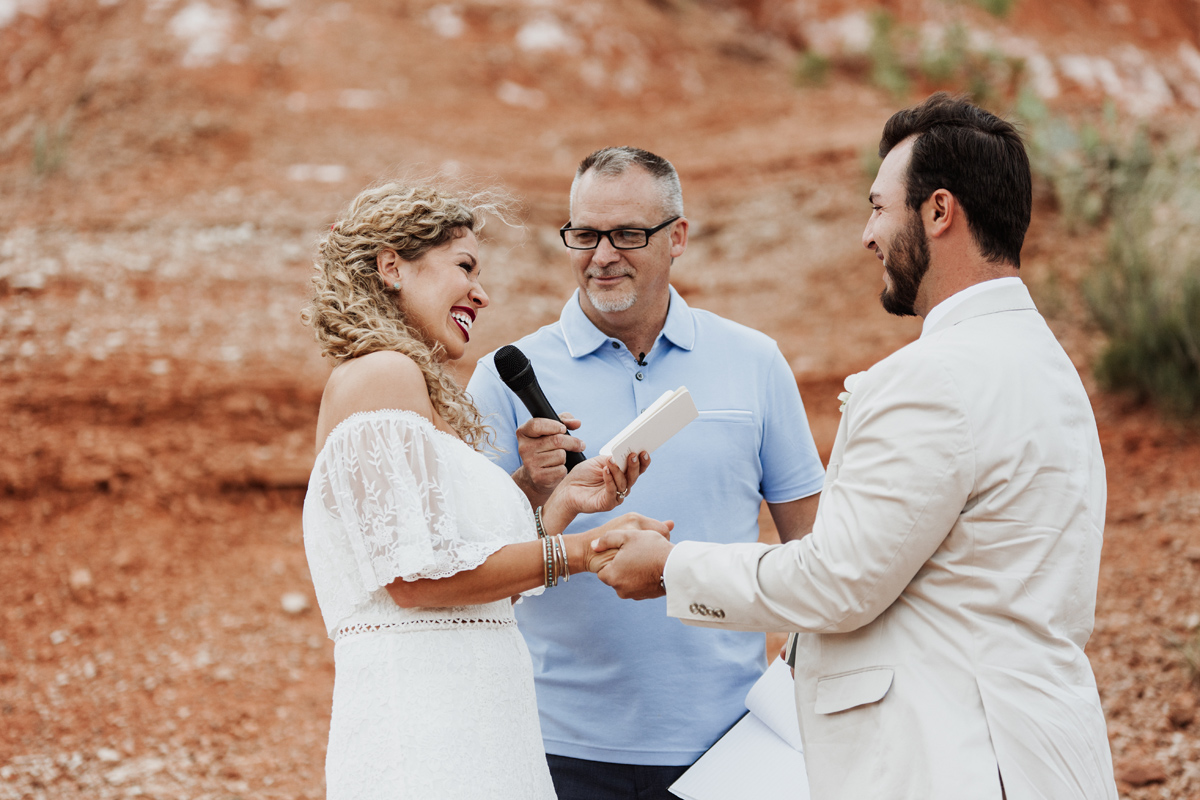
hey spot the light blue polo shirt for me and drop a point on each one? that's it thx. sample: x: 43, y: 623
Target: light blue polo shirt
x: 618, y: 680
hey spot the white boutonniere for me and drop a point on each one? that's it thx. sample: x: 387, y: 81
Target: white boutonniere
x: 850, y: 382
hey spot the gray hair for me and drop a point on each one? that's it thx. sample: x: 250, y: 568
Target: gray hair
x: 612, y: 162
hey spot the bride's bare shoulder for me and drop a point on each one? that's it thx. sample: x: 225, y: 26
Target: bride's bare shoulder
x: 383, y: 379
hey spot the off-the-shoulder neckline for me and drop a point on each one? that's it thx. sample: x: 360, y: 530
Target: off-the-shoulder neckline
x: 404, y: 412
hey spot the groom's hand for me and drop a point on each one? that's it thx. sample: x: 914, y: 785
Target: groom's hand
x: 636, y: 570
x: 597, y: 557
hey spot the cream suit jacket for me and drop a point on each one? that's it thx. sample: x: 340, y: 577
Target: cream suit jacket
x: 947, y: 590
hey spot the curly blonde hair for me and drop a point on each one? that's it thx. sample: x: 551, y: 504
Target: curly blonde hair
x: 352, y: 312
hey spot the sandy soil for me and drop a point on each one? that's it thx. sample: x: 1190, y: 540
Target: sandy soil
x: 158, y: 633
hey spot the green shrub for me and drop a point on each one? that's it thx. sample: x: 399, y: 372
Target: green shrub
x: 1189, y: 651
x: 997, y: 8
x: 1145, y: 293
x: 898, y: 60
x: 870, y: 162
x: 50, y: 148
x: 812, y: 69
x: 982, y: 75
x: 945, y: 63
x: 1086, y: 166
x: 887, y: 68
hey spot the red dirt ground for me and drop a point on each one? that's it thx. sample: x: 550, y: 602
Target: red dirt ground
x: 160, y: 393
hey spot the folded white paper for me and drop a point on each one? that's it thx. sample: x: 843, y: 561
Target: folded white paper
x: 761, y: 756
x: 665, y: 417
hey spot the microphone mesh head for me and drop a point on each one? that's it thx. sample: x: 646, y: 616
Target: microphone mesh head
x: 513, y: 367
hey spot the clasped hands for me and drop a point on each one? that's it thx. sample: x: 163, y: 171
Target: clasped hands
x: 631, y: 558
x: 628, y: 552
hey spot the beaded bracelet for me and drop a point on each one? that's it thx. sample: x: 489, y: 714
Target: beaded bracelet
x: 554, y: 552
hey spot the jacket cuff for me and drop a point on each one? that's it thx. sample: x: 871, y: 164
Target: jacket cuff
x: 680, y: 602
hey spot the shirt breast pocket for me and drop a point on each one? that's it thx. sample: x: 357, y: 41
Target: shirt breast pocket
x: 726, y: 416
x: 724, y: 444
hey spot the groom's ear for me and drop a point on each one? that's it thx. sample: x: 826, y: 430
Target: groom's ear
x: 940, y: 212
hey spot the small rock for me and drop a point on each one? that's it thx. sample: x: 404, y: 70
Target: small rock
x: 80, y: 580
x: 1182, y: 709
x: 294, y: 602
x: 58, y: 637
x: 108, y: 755
x: 28, y: 281
x: 133, y: 770
x: 1193, y: 554
x: 124, y: 559
x: 1141, y: 770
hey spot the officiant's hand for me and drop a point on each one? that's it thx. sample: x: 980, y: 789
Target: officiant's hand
x: 637, y: 568
x: 543, y: 445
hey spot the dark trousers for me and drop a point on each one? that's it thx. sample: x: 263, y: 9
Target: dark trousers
x: 579, y: 779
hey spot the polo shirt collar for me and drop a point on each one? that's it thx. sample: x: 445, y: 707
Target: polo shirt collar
x: 584, y: 338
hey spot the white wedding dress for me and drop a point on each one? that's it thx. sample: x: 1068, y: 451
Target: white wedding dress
x: 427, y: 702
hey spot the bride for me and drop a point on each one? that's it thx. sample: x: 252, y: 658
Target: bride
x: 416, y: 542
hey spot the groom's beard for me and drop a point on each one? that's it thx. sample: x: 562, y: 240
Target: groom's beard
x: 906, y: 263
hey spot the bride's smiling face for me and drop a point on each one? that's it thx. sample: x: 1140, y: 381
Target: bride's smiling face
x: 440, y: 292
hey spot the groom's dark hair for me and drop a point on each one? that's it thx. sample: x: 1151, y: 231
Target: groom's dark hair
x: 977, y: 157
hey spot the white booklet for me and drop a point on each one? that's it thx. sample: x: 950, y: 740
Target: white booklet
x: 761, y: 756
x: 665, y: 417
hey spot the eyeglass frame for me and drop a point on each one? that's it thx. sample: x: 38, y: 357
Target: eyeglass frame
x: 562, y: 232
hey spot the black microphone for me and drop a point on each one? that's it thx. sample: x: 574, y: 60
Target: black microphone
x: 517, y: 374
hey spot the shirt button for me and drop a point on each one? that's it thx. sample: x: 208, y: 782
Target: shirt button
x: 639, y: 376
x: 615, y: 345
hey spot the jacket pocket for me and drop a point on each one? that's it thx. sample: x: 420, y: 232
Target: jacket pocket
x: 851, y: 689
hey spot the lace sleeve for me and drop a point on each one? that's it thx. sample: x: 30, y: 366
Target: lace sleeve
x: 393, y: 492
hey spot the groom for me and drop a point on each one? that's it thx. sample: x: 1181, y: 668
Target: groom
x: 945, y: 595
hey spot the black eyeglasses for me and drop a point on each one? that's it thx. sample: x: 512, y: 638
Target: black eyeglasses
x: 619, y: 238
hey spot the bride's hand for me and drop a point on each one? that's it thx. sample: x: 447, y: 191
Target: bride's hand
x: 595, y: 561
x: 597, y: 485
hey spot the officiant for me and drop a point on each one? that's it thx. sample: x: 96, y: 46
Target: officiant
x: 629, y: 698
